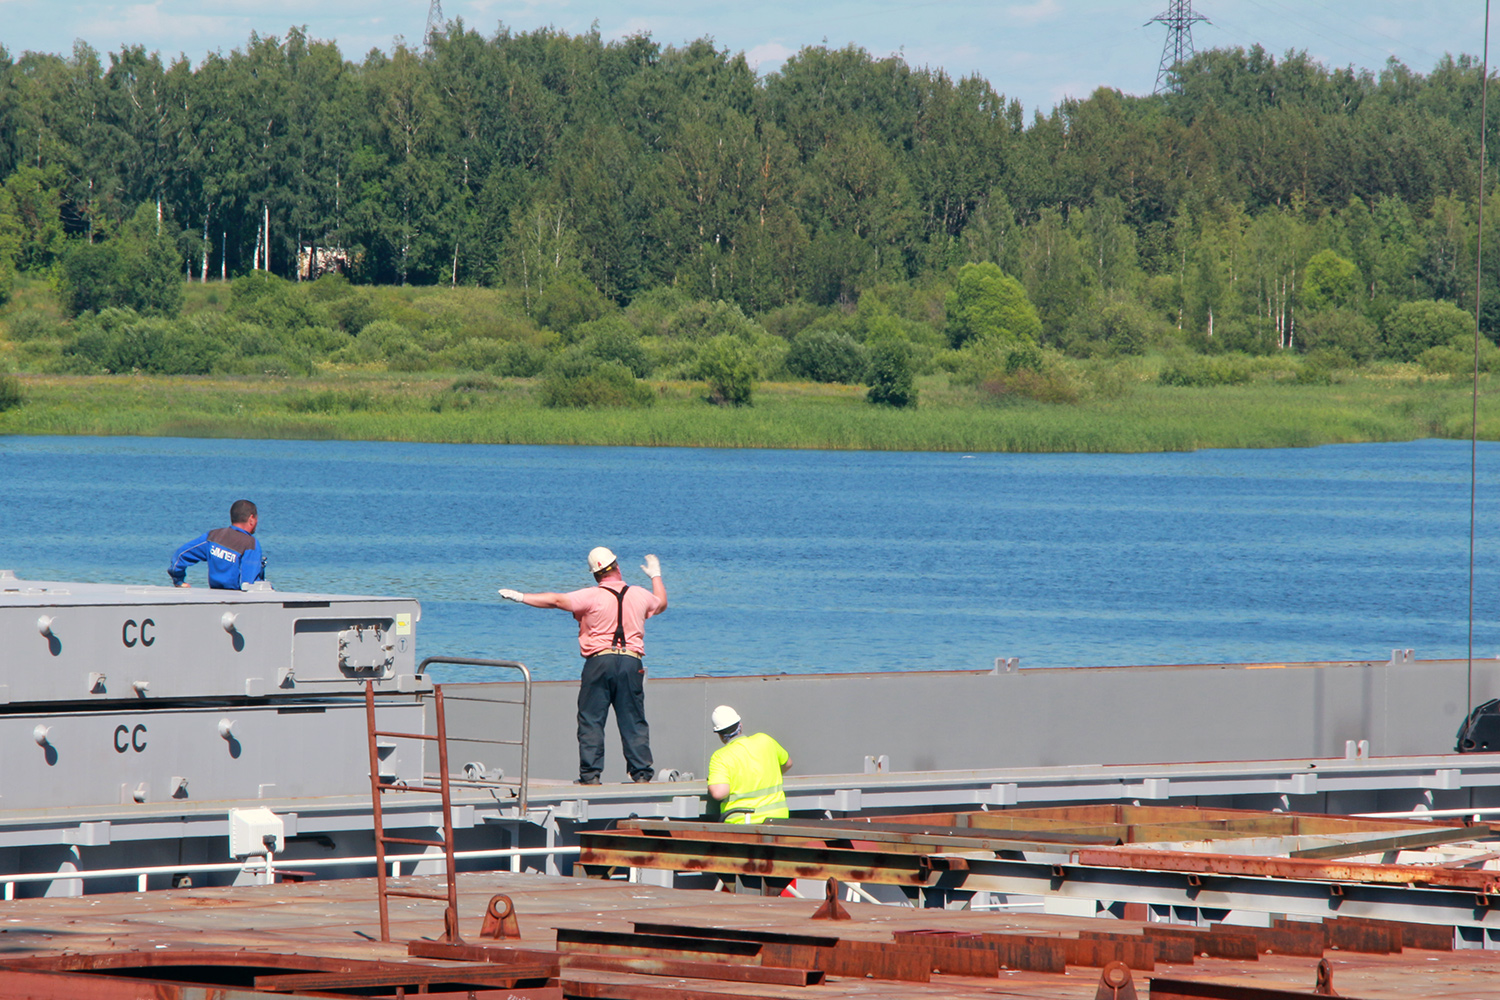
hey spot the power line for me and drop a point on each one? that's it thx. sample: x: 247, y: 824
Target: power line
x: 1179, y: 19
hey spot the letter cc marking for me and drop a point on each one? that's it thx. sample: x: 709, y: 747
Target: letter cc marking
x: 136, y: 743
x: 122, y: 731
x: 140, y: 632
x: 129, y: 739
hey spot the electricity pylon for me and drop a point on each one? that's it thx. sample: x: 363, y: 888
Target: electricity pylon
x: 434, y: 21
x: 1179, y: 19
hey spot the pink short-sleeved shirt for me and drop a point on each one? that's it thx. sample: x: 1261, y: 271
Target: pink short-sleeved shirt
x: 596, y: 609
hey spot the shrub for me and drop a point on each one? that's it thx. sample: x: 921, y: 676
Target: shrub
x: 465, y: 393
x: 566, y: 304
x: 825, y: 356
x: 1049, y: 386
x: 1457, y: 357
x: 261, y: 297
x: 1194, y: 372
x: 728, y: 367
x: 1111, y: 324
x: 137, y: 268
x: 702, y: 321
x: 1413, y: 327
x: 791, y: 319
x: 614, y: 339
x: 330, y: 401
x: 1342, y: 330
x: 29, y: 324
x: 522, y: 360
x: 576, y: 380
x: 892, y: 373
x: 117, y: 340
x: 10, y: 392
x: 1024, y: 357
x: 384, y: 340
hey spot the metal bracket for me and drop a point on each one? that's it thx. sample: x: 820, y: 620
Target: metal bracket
x: 1115, y: 983
x: 831, y: 909
x: 1324, y: 985
x: 500, y: 919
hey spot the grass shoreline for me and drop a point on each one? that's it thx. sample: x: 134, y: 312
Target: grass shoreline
x: 425, y: 408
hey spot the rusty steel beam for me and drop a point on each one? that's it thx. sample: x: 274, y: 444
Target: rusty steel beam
x: 766, y: 975
x: 856, y: 959
x: 469, y: 975
x: 571, y: 940
x: 192, y: 958
x: 580, y: 989
x: 1427, y: 838
x: 1190, y: 989
x: 917, y: 835
x: 499, y: 954
x: 1012, y: 951
x: 1211, y: 944
x: 1427, y: 937
x: 734, y: 934
x: 1301, y: 941
x: 1484, y: 882
x: 631, y: 850
x: 30, y: 984
x: 1171, y: 950
x: 922, y: 833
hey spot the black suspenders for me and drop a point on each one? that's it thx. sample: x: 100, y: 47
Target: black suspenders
x: 619, y: 640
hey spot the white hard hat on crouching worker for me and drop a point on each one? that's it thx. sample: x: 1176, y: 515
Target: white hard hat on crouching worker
x: 724, y: 718
x: 599, y: 558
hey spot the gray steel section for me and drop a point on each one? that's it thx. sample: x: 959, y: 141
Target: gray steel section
x: 101, y: 643
x: 118, y: 761
x: 831, y: 723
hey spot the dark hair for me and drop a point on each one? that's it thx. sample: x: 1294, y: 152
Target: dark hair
x: 241, y: 511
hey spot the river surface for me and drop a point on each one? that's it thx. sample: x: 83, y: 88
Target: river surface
x: 809, y: 561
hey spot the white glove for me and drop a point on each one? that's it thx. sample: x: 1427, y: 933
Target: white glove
x: 652, y: 566
x: 512, y: 595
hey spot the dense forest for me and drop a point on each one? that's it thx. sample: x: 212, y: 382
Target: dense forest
x: 663, y: 211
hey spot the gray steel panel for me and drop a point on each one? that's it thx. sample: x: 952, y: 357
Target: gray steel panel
x: 101, y: 759
x: 107, y: 642
x: 933, y: 721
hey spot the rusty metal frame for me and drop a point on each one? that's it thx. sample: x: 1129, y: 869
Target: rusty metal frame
x: 1480, y: 881
x: 378, y: 789
x: 892, y: 835
x: 1356, y: 848
x: 725, y: 854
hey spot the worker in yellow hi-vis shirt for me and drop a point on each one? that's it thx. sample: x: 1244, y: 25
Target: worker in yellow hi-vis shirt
x: 745, y: 773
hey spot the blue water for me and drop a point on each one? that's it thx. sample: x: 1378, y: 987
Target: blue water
x: 803, y: 561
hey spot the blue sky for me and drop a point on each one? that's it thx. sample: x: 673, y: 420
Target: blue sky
x: 1036, y: 50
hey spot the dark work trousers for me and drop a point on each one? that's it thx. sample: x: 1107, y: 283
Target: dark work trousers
x: 613, y: 679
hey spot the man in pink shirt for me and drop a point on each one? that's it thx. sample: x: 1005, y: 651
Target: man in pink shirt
x: 611, y: 636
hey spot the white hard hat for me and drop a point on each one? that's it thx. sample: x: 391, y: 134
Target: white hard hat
x: 724, y: 718
x: 600, y: 557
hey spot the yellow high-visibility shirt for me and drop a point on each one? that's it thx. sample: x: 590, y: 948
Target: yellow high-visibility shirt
x: 751, y: 767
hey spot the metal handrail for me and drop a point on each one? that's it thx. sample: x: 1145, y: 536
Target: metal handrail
x: 267, y: 867
x: 525, y: 741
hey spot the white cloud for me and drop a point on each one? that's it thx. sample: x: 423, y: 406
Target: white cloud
x: 1034, y: 13
x: 768, y: 56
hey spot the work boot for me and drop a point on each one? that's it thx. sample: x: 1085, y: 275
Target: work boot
x: 643, y: 777
x: 589, y: 781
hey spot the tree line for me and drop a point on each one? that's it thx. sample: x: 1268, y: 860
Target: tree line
x: 1264, y: 205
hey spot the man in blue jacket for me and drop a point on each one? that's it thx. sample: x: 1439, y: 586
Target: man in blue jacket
x: 234, y: 557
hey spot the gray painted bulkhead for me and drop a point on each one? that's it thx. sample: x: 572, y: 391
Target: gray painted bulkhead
x: 961, y: 720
